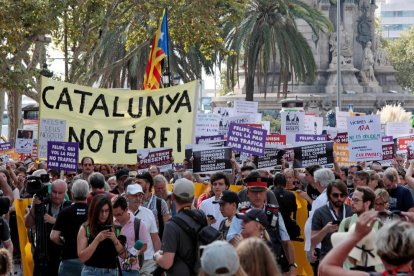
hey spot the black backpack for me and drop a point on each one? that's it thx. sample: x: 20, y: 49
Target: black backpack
x: 275, y: 242
x: 194, y: 223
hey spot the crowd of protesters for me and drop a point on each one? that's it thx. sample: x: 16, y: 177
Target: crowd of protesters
x: 114, y: 220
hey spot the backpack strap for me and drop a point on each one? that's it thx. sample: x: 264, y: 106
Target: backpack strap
x: 137, y: 225
x: 159, y: 216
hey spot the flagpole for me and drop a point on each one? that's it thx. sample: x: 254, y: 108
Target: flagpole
x: 168, y: 54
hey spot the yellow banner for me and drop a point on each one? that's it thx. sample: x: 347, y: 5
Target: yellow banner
x: 111, y: 124
x: 25, y: 246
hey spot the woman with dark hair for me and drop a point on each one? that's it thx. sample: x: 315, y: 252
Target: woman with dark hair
x: 98, y: 246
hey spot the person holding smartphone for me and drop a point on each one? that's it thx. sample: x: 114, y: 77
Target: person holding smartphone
x: 325, y: 220
x: 98, y: 246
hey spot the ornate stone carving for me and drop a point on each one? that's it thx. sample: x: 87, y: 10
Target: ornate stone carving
x: 346, y: 49
x: 367, y: 68
x: 326, y: 103
x: 364, y: 26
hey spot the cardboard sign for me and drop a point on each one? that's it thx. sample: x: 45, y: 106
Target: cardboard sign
x: 207, y: 124
x: 292, y: 124
x: 341, y: 153
x: 245, y: 107
x: 160, y: 157
x: 50, y: 130
x: 397, y: 128
x: 313, y: 125
x: 321, y: 154
x: 24, y: 141
x: 388, y: 152
x: 62, y: 156
x: 211, y: 160
x: 226, y: 121
x: 341, y: 120
x: 364, y: 138
x: 247, y: 139
x: 403, y: 142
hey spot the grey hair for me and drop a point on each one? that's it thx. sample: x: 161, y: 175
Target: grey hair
x: 80, y: 189
x: 395, y: 242
x: 97, y: 180
x: 60, y: 182
x: 159, y: 178
x: 324, y: 176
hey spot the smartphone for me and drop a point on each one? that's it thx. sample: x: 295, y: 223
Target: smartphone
x: 211, y: 217
x: 336, y: 222
x: 106, y: 227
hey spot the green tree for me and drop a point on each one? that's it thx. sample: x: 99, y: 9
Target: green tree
x: 268, y: 33
x: 401, y: 55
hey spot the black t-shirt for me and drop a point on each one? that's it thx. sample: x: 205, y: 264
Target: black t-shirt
x: 4, y: 230
x: 68, y: 223
x: 176, y: 240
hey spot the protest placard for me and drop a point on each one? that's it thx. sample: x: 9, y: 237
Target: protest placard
x: 211, y: 160
x: 309, y: 138
x: 247, y: 139
x: 246, y: 107
x: 341, y: 118
x: 341, y: 154
x: 312, y: 124
x: 388, y: 152
x: 24, y: 141
x: 5, y: 146
x: 321, y: 153
x: 387, y: 139
x: 208, y: 139
x: 226, y: 121
x: 397, y: 128
x: 275, y: 139
x: 62, y: 156
x: 270, y: 158
x: 160, y: 157
x: 50, y: 130
x: 111, y: 125
x: 207, y: 124
x: 292, y: 124
x: 364, y: 138
x: 402, y: 142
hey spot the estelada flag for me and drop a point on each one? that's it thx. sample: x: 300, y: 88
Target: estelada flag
x: 159, y: 51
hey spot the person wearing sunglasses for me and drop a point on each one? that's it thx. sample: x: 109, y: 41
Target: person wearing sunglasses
x: 327, y: 218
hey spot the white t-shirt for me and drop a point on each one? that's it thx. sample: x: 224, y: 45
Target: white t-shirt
x: 209, y: 208
x: 147, y: 216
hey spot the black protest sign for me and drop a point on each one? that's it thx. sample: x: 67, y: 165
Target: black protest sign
x: 211, y: 160
x: 270, y: 158
x: 308, y: 155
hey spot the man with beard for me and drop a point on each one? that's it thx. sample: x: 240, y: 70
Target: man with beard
x: 363, y: 200
x: 327, y: 218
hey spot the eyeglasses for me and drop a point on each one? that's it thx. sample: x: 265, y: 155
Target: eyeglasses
x: 337, y: 195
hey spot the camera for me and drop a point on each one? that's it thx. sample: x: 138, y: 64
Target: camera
x: 36, y: 187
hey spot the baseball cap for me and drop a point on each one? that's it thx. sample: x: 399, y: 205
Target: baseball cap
x: 220, y: 258
x: 134, y: 189
x: 229, y: 197
x: 39, y: 172
x: 256, y: 184
x: 254, y: 214
x: 122, y: 173
x: 183, y: 188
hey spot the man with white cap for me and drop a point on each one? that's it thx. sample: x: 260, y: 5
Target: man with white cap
x: 178, y: 247
x: 134, y: 196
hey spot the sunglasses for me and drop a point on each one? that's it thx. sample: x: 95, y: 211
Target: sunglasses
x: 337, y: 195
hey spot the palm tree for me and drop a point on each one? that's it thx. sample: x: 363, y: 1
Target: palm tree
x: 268, y: 33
